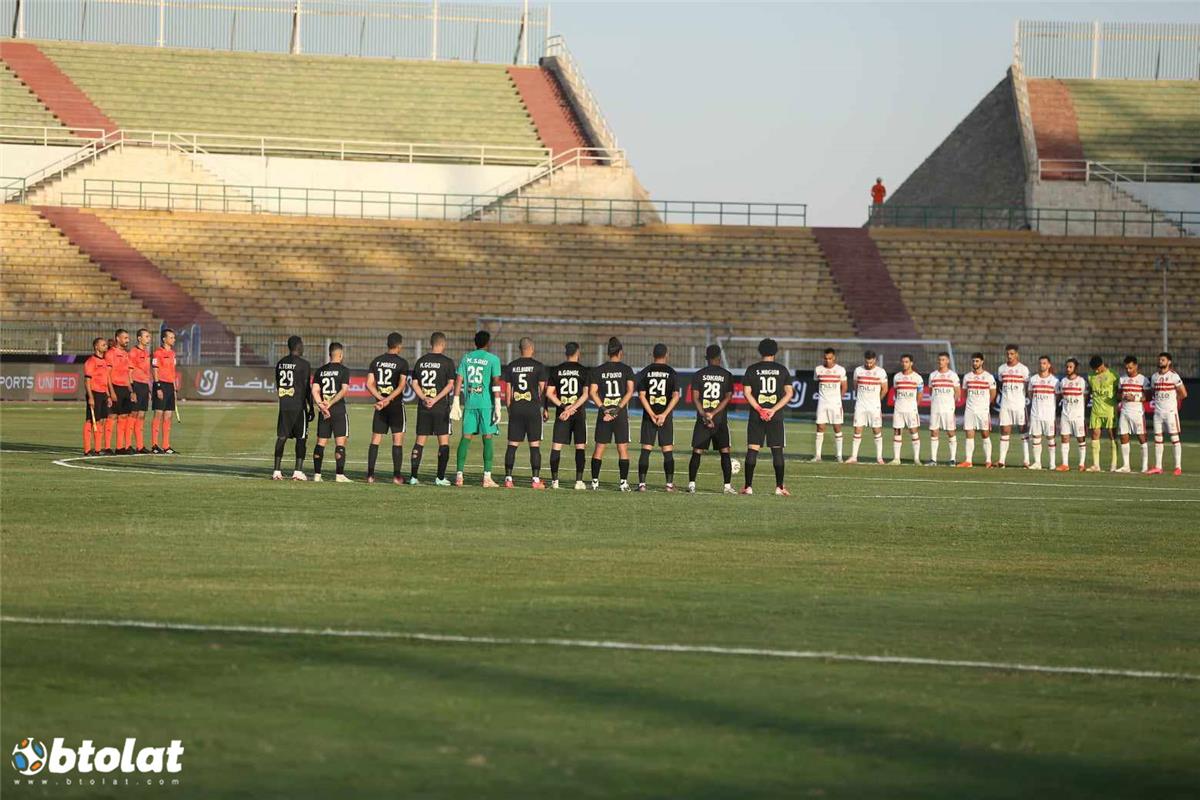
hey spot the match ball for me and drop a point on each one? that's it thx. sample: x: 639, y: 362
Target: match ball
x: 735, y: 466
x: 29, y: 756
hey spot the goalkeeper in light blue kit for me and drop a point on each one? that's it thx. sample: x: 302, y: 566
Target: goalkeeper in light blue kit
x: 477, y: 403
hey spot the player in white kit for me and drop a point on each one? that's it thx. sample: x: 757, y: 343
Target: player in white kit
x: 980, y: 388
x: 831, y: 386
x: 870, y: 385
x: 945, y: 390
x: 1073, y: 391
x: 1132, y: 391
x: 907, y: 385
x: 1043, y: 407
x: 1168, y: 392
x: 1012, y: 377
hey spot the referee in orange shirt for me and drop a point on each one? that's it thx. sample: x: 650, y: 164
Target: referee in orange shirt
x: 95, y: 375
x: 166, y: 383
x: 139, y: 361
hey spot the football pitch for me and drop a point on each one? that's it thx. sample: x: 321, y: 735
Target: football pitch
x: 874, y: 635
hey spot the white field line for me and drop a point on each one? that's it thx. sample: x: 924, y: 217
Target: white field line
x: 1014, y: 497
x: 592, y: 644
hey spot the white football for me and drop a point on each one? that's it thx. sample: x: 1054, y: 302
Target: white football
x: 735, y: 465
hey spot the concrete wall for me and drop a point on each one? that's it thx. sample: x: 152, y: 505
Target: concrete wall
x: 1170, y: 197
x: 1105, y: 197
x: 979, y: 164
x: 19, y: 160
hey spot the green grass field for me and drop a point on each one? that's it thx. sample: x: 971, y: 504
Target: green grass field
x: 1059, y: 570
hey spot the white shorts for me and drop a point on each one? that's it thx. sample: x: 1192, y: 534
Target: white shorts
x: 1168, y: 420
x: 829, y: 414
x: 1072, y: 426
x: 1131, y: 426
x: 868, y: 417
x: 1012, y: 416
x: 941, y: 420
x: 906, y: 419
x: 977, y: 420
x: 1041, y: 427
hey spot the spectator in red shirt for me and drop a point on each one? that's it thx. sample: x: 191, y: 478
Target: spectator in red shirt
x: 878, y: 192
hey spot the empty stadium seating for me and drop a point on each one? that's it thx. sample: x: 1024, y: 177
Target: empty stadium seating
x: 302, y: 96
x: 18, y: 106
x: 1071, y: 293
x: 1122, y: 120
x: 49, y: 284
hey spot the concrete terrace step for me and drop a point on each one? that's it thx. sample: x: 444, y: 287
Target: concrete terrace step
x: 874, y: 301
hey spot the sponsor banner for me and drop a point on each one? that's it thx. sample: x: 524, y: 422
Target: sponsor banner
x: 258, y: 383
x: 41, y: 381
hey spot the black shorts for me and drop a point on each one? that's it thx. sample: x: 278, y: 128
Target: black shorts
x: 574, y: 429
x: 653, y: 434
x: 617, y: 430
x: 716, y: 437
x: 389, y: 419
x: 773, y: 431
x: 337, y: 425
x: 141, y: 396
x: 525, y: 425
x: 124, y: 402
x: 292, y: 424
x: 167, y: 403
x: 100, y: 401
x: 434, y: 421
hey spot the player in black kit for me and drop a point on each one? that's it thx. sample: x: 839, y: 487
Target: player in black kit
x: 768, y: 389
x: 386, y: 379
x: 329, y: 389
x: 567, y: 394
x: 712, y: 389
x: 611, y: 390
x: 658, y: 392
x: 433, y: 382
x: 526, y: 381
x: 292, y: 378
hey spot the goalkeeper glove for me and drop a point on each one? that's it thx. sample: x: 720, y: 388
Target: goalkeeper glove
x: 456, y: 410
x: 309, y: 414
x: 497, y: 412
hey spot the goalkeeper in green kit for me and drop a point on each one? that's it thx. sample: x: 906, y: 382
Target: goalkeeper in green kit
x: 477, y: 404
x: 1102, y: 386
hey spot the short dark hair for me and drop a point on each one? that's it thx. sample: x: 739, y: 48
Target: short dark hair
x: 943, y: 353
x: 1095, y: 362
x: 437, y: 337
x: 141, y: 331
x: 660, y: 350
x: 1166, y: 355
x: 977, y: 355
x: 906, y: 355
x: 614, y: 346
x: 829, y: 351
x: 571, y: 348
x: 394, y: 340
x: 869, y: 354
x: 118, y: 332
x: 97, y: 340
x: 293, y: 342
x: 1046, y: 358
x: 336, y: 346
x: 768, y: 347
x: 162, y: 337
x: 1130, y: 359
x: 712, y: 351
x: 1075, y: 361
x: 1012, y: 347
x: 482, y: 338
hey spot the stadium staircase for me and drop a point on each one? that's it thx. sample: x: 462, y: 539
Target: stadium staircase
x: 862, y: 277
x: 19, y: 106
x: 548, y: 107
x: 1055, y: 128
x: 140, y: 277
x: 53, y: 87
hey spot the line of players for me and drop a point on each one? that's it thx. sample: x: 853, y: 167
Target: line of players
x: 122, y: 382
x: 479, y: 390
x: 1029, y: 402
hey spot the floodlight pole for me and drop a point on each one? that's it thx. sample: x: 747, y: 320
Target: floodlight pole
x: 1164, y: 263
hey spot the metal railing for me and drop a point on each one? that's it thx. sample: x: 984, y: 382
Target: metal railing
x: 12, y: 190
x: 1135, y: 50
x: 47, y: 136
x: 304, y: 201
x: 502, y: 34
x: 564, y: 65
x: 1054, y: 221
x: 1119, y: 171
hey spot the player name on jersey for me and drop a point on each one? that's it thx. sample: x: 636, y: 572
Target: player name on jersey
x: 570, y: 380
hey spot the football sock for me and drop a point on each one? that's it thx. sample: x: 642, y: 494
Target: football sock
x: 279, y: 445
x: 318, y: 458
x: 897, y: 443
x: 916, y: 445
x: 935, y: 444
x: 669, y: 465
x: 1025, y: 445
x: 535, y: 461
x: 555, y: 460
x: 879, y: 445
x: 694, y: 467
x: 120, y: 428
x: 87, y: 436
x: 1158, y: 451
x: 415, y: 457
x: 643, y: 465
x: 443, y: 460
x: 820, y: 444
x: 1065, y: 451
x: 953, y: 447
x: 751, y: 463
x: 837, y: 441
x: 1145, y: 457
x: 623, y: 468
x: 777, y: 462
x: 460, y: 456
x: 166, y: 433
x: 987, y: 450
x: 580, y: 462
x: 1114, y: 449
x: 855, y: 443
x: 372, y: 457
x: 397, y: 459
x: 155, y: 427
x: 1037, y: 451
x: 1003, y: 447
x: 510, y: 459
x: 339, y: 455
x: 487, y: 455
x: 1050, y: 447
x: 108, y: 432
x: 301, y: 451
x: 970, y: 450
x: 1125, y: 453
x: 1177, y: 447
x: 139, y: 431
x: 727, y: 467
x: 1096, y: 453
x: 596, y: 468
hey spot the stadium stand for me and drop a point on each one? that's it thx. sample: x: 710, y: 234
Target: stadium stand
x: 982, y: 289
x: 53, y: 88
x: 47, y: 279
x: 1137, y: 121
x: 20, y: 106
x: 301, y: 96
